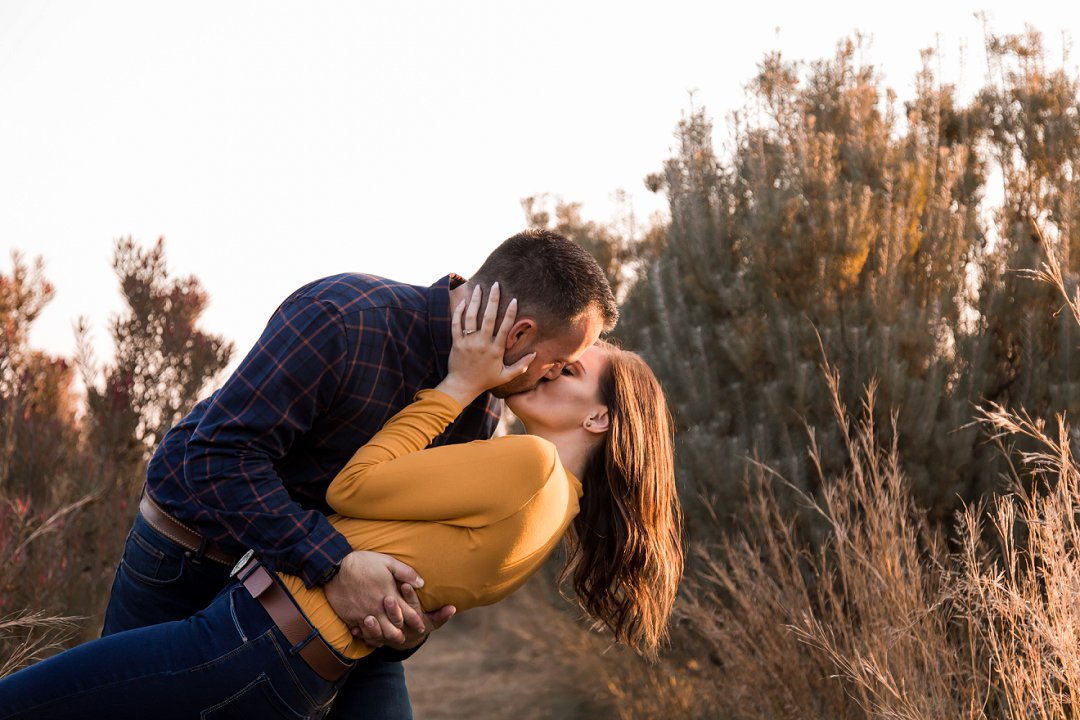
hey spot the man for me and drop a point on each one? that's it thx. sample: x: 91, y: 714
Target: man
x: 249, y: 466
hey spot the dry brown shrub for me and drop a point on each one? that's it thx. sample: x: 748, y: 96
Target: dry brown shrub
x: 853, y: 623
x: 874, y: 616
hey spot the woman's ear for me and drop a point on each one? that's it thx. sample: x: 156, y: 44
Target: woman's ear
x: 599, y: 421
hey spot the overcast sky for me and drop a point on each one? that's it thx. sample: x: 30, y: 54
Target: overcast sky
x: 272, y: 142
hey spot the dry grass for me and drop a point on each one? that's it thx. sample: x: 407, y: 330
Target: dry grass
x: 874, y: 617
x: 30, y: 544
x: 877, y: 619
x: 27, y: 637
x: 854, y: 623
x: 1024, y: 599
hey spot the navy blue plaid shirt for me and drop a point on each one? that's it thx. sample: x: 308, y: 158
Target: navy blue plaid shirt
x: 249, y: 466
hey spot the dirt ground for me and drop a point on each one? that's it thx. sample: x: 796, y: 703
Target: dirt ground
x: 489, y: 663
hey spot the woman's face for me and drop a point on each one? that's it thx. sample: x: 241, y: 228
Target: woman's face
x: 567, y: 401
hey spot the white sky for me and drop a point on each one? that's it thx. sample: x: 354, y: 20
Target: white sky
x: 273, y: 142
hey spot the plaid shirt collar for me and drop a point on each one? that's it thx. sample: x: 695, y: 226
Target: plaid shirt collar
x: 439, y: 319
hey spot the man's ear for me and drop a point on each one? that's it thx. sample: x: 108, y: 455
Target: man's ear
x: 522, y: 334
x: 599, y: 421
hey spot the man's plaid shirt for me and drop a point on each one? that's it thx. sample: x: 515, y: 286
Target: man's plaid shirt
x: 249, y: 466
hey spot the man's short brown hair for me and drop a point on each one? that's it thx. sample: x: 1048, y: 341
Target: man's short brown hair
x: 553, y: 278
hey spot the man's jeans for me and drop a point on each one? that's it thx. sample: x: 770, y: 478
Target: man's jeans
x: 158, y: 581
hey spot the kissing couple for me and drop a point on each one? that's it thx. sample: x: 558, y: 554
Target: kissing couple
x: 306, y: 527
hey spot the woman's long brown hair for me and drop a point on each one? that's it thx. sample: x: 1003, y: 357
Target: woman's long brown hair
x: 625, y: 549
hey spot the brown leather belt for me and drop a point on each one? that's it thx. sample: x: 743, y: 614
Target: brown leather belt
x: 180, y: 533
x: 294, y: 626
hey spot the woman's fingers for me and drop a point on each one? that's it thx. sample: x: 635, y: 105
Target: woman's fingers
x: 479, y: 348
x: 473, y: 311
x: 439, y: 617
x: 467, y: 319
x: 520, y: 366
x: 393, y: 612
x: 472, y: 320
x: 370, y: 631
x: 487, y: 328
x: 508, y: 322
x: 455, y: 321
x: 390, y: 633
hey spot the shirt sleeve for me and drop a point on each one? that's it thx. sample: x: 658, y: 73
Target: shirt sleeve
x: 476, y: 422
x: 472, y: 484
x: 287, y: 380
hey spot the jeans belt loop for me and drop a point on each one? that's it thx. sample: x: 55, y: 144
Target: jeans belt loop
x: 156, y: 517
x: 293, y: 624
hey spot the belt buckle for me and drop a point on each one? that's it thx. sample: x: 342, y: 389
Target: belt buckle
x: 241, y: 563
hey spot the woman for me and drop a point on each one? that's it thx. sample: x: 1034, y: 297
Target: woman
x: 475, y: 521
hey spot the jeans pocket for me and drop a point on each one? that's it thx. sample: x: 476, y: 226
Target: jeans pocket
x: 151, y: 565
x: 257, y: 700
x: 294, y: 679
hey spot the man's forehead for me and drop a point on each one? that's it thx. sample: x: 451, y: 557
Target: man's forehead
x: 586, y: 329
x: 573, y: 354
x: 579, y: 336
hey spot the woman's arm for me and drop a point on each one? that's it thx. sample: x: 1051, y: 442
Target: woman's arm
x: 409, y: 431
x: 471, y: 484
x: 475, y: 364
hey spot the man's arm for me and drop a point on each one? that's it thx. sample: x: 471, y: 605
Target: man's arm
x: 287, y: 380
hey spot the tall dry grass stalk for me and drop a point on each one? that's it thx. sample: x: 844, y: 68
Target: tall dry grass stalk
x: 26, y: 637
x: 29, y: 566
x: 853, y: 623
x: 882, y: 617
x: 1023, y: 597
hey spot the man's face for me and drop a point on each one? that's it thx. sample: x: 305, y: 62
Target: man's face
x: 552, y: 354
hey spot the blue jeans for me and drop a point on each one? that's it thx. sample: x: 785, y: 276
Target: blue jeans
x: 158, y: 581
x: 226, y: 661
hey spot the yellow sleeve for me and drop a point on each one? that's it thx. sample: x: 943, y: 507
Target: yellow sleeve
x: 471, y: 485
x: 410, y: 430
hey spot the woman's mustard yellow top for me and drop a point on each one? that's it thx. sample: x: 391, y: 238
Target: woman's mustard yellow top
x: 475, y: 520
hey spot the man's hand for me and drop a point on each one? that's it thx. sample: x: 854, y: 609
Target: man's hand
x: 371, y: 630
x: 360, y: 588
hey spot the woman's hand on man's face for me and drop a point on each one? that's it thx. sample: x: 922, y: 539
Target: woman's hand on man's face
x: 476, y: 357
